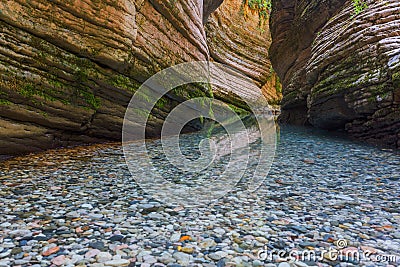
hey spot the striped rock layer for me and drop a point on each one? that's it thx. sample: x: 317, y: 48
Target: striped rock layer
x: 340, y: 70
x: 68, y: 69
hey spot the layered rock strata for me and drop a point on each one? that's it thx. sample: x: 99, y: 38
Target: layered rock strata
x: 69, y: 68
x: 340, y: 70
x: 239, y: 42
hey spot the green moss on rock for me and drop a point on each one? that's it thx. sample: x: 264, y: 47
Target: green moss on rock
x: 396, y: 79
x: 5, y: 102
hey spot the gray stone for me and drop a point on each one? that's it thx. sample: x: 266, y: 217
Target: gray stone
x: 120, y: 262
x: 103, y: 257
x: 182, y: 258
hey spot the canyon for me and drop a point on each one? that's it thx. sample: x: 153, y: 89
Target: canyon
x: 340, y: 70
x: 69, y: 69
x: 110, y: 157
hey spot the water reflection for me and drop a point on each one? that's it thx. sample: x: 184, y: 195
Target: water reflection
x: 204, y: 166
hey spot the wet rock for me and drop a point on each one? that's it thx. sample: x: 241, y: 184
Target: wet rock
x: 207, y: 243
x: 51, y: 251
x: 119, y: 262
x: 97, y: 245
x: 59, y: 260
x: 182, y: 258
x: 116, y: 238
x: 103, y: 257
x: 92, y: 253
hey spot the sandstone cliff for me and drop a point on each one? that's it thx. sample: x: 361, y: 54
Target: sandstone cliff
x: 340, y: 70
x: 69, y: 68
x: 241, y: 44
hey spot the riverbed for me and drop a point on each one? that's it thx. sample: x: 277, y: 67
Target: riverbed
x: 323, y: 193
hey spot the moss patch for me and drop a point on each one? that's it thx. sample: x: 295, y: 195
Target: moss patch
x: 396, y: 79
x: 5, y: 102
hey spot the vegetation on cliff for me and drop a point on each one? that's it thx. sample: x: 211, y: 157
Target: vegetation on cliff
x: 359, y: 6
x: 260, y: 7
x: 264, y: 7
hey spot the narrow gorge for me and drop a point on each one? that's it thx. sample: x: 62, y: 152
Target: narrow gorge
x: 69, y: 69
x: 191, y: 133
x: 340, y: 70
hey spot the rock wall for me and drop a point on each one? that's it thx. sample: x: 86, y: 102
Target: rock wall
x: 69, y: 68
x: 241, y: 44
x: 340, y: 70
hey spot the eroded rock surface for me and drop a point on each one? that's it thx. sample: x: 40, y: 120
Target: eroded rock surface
x: 69, y: 68
x: 243, y: 45
x: 340, y: 70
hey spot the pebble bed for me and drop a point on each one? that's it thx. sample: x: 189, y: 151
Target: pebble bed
x: 81, y: 207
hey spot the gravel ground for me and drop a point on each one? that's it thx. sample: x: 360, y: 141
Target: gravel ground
x: 323, y: 194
